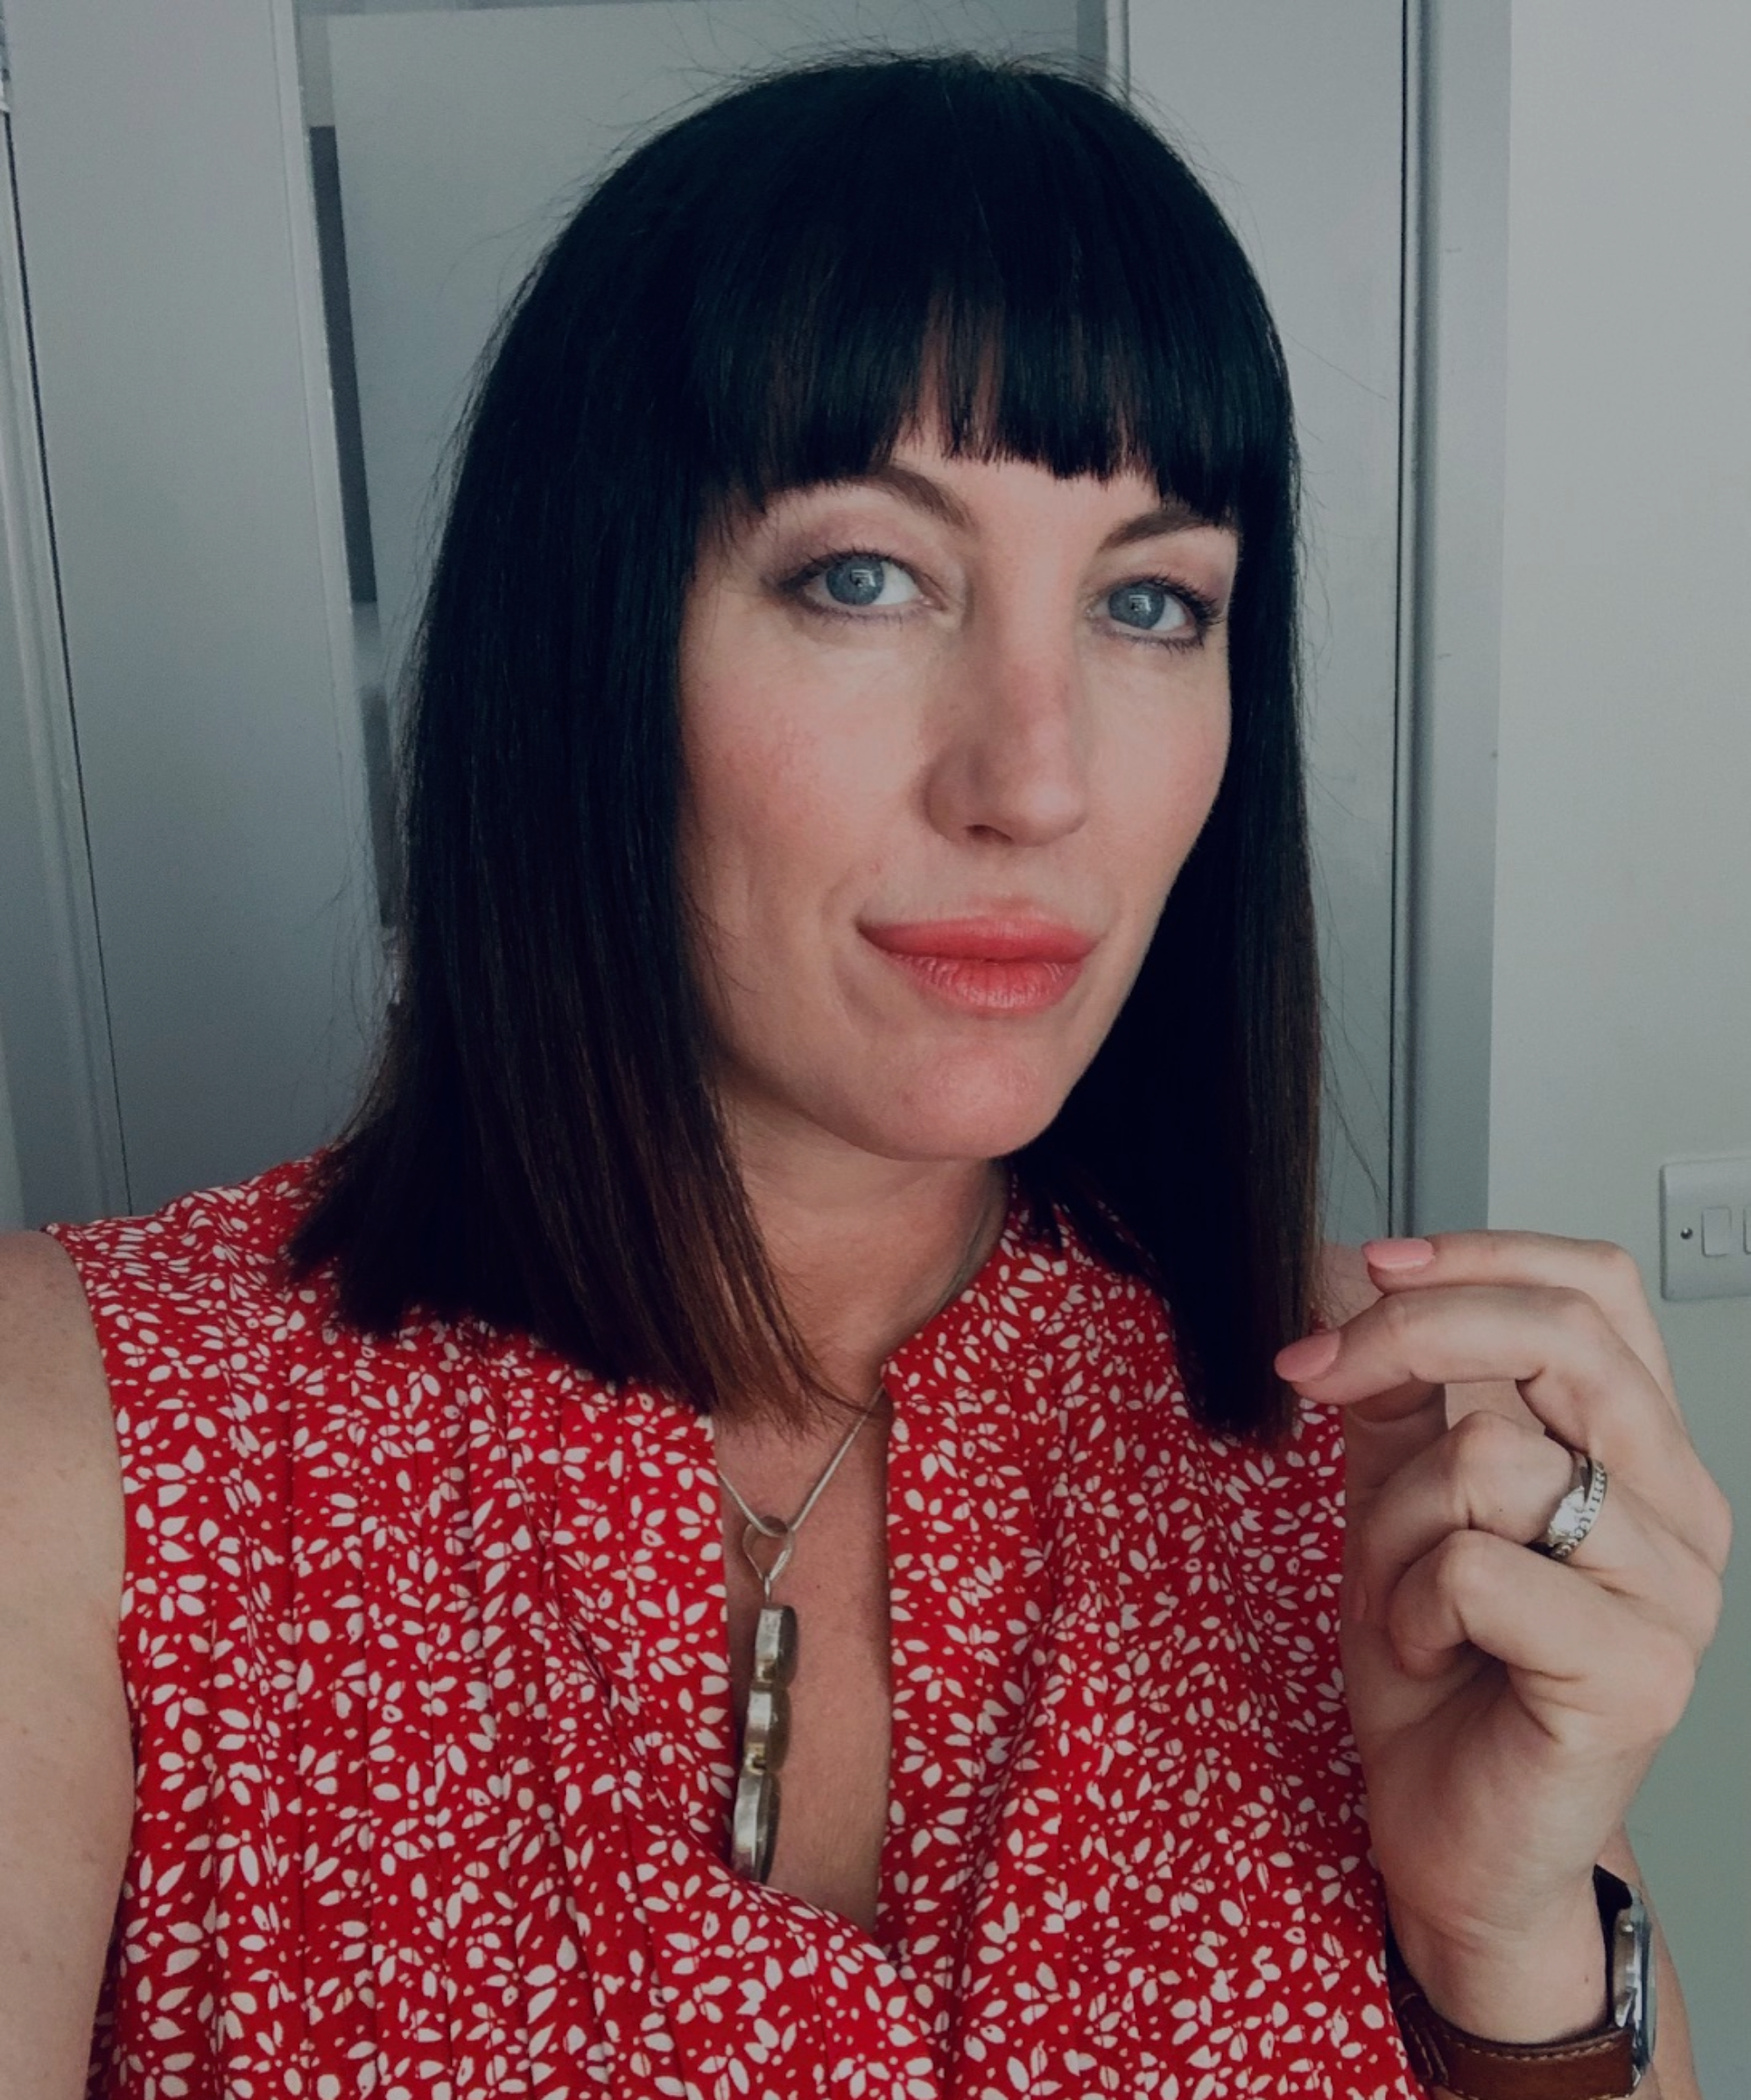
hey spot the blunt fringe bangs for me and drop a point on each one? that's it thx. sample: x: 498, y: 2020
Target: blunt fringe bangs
x: 768, y: 294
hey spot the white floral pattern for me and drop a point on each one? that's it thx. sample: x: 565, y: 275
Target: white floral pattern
x: 424, y: 1643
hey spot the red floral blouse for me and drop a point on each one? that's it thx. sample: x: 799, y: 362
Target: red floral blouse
x: 424, y: 1641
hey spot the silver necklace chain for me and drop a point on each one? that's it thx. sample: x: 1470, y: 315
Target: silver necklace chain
x: 769, y: 1527
x: 774, y: 1527
x: 766, y: 1729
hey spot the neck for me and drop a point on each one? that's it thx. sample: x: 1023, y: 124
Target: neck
x: 866, y: 1257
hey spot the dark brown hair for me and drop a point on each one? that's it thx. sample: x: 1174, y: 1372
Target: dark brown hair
x: 748, y: 302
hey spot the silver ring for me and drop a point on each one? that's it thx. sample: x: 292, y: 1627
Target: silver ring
x: 1578, y: 1512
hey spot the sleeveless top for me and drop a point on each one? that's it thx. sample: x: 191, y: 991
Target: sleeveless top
x: 424, y: 1652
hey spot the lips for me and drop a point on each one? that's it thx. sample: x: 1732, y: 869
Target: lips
x: 990, y: 966
x: 1012, y: 940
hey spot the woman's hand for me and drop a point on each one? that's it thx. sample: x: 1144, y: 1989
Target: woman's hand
x: 1507, y: 1705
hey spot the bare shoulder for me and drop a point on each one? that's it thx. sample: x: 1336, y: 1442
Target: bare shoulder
x: 67, y: 1776
x: 43, y: 1313
x: 55, y: 1416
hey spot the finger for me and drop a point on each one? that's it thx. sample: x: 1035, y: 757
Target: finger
x: 1571, y: 1367
x: 1396, y: 1424
x: 1596, y: 1674
x: 1496, y: 1478
x: 1607, y: 1275
x: 1493, y: 1475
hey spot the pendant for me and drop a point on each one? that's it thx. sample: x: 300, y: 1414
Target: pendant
x: 765, y: 1737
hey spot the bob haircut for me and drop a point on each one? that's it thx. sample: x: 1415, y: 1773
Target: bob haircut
x: 761, y: 297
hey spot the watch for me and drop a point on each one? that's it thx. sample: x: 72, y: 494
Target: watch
x: 1611, y: 2059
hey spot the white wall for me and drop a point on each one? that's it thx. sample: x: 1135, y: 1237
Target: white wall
x: 1622, y: 979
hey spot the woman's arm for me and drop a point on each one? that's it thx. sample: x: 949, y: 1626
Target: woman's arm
x: 1346, y: 1290
x: 1672, y: 2075
x: 67, y: 1775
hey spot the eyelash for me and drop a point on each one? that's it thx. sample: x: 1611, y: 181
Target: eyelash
x: 1203, y: 610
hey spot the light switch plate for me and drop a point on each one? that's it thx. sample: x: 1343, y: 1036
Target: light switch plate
x: 1688, y: 1188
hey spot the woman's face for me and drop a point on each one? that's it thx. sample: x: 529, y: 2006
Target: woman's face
x: 954, y: 692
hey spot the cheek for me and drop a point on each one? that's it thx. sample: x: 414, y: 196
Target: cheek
x: 1169, y: 787
x: 1218, y: 744
x: 784, y: 798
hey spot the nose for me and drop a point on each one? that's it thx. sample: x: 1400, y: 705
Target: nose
x: 1012, y: 733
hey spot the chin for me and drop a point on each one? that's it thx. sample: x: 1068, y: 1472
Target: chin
x: 967, y: 1115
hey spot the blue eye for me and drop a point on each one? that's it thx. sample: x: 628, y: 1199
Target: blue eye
x: 1168, y: 616
x: 861, y: 579
x: 1143, y: 604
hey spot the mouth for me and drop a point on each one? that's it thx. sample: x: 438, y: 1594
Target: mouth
x: 992, y: 940
x: 1013, y: 966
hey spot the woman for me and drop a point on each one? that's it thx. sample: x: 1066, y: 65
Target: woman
x: 744, y: 1532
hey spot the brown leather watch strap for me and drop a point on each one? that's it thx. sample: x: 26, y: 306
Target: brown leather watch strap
x: 1599, y: 2066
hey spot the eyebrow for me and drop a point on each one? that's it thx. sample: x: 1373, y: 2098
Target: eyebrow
x: 1173, y: 515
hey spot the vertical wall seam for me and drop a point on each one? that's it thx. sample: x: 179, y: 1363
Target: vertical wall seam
x: 1408, y: 682
x: 69, y: 876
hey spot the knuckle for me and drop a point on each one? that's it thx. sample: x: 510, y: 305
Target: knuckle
x: 1618, y: 1267
x: 1576, y: 1311
x: 1481, y: 1252
x: 1686, y: 1595
x: 1463, y: 1564
x: 1485, y: 1438
x: 1485, y: 1454
x: 1705, y: 1530
x: 1704, y: 1597
x: 1713, y: 1525
x: 1400, y: 1316
x: 1711, y: 1605
x: 1664, y: 1682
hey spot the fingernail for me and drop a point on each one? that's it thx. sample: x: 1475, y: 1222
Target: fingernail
x: 1308, y: 1358
x: 1398, y: 1254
